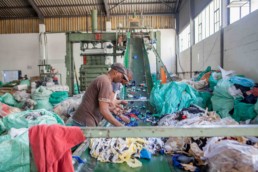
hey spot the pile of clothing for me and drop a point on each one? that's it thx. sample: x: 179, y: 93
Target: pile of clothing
x: 236, y: 97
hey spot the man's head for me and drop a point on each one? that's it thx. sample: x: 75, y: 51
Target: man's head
x: 129, y: 74
x: 119, y: 72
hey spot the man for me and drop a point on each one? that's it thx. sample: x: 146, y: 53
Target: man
x: 115, y: 106
x: 97, y: 99
x: 118, y: 86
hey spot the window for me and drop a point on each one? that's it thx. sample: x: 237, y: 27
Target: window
x: 184, y: 39
x: 254, y: 5
x: 208, y: 21
x: 240, y: 8
x: 217, y: 13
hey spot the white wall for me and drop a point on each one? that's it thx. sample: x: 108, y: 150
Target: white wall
x: 168, y: 51
x: 183, y: 64
x: 241, y: 46
x: 19, y: 52
x: 206, y: 53
x: 23, y: 49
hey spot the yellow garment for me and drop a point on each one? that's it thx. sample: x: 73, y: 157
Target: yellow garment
x: 117, y: 150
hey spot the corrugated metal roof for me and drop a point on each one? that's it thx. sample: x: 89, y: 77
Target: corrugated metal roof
x: 59, y: 8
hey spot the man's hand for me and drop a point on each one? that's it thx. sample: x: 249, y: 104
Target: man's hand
x: 124, y: 118
x: 118, y: 102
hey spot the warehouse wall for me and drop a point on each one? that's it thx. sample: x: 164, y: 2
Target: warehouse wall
x: 240, y: 49
x: 19, y: 52
x: 206, y: 53
x: 80, y: 23
x: 241, y: 46
x: 184, y: 15
x: 183, y: 64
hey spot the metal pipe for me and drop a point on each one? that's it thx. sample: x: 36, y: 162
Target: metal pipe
x: 94, y: 20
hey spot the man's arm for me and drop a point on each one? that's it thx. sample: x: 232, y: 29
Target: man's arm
x: 104, y: 110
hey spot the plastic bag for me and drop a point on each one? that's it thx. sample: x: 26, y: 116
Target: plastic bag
x: 226, y: 74
x: 243, y: 111
x: 41, y: 96
x: 246, y: 82
x: 222, y: 101
x: 208, y: 69
x: 8, y: 99
x: 58, y: 97
x: 66, y: 107
x: 230, y: 155
x: 6, y: 110
x: 214, y: 78
x: 30, y: 118
x: 15, y: 154
x: 156, y: 99
x: 173, y: 97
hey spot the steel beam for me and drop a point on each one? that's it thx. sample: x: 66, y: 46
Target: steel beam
x: 162, y: 1
x: 117, y: 4
x: 161, y: 131
x: 106, y: 9
x: 91, y: 37
x: 177, y: 5
x: 16, y: 7
x: 146, y: 14
x: 35, y: 7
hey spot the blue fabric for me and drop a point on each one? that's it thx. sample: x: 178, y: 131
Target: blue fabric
x: 246, y: 82
x: 116, y: 86
x: 132, y: 124
x: 79, y: 160
x: 77, y: 124
x: 176, y: 163
x: 145, y: 154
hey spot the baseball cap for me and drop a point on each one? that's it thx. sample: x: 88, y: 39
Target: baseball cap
x: 120, y: 68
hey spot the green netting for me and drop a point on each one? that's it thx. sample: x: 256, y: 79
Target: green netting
x: 58, y: 97
x: 25, y: 119
x: 15, y: 154
x: 222, y: 101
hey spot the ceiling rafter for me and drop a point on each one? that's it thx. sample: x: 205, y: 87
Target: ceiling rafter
x: 106, y: 5
x: 165, y: 3
x: 35, y: 7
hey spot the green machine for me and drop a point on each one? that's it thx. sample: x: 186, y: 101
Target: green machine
x: 95, y: 50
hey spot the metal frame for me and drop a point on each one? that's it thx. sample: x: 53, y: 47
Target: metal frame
x: 162, y: 131
x: 78, y: 38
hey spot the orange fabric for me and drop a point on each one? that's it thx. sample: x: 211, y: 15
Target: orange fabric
x: 163, y: 75
x: 51, y: 146
x: 206, y: 77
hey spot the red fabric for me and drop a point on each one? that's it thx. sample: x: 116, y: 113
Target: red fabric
x: 51, y: 146
x: 254, y: 91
